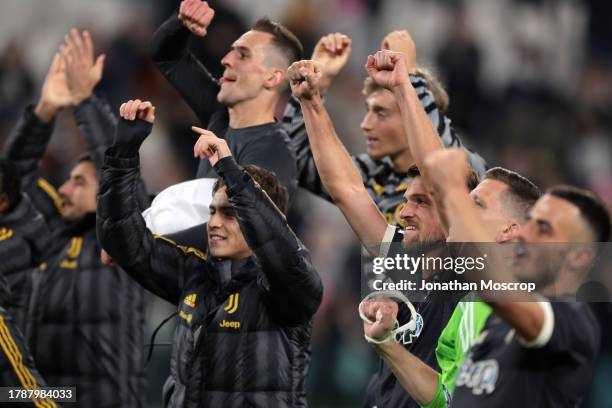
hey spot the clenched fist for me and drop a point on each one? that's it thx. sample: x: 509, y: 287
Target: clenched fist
x: 331, y: 52
x: 304, y: 77
x: 196, y: 15
x: 382, y: 314
x: 388, y: 69
x: 401, y: 41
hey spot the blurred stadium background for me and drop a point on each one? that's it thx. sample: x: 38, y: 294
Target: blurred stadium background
x: 530, y: 84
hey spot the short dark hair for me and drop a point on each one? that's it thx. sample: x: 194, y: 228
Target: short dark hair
x: 471, y: 181
x: 522, y: 193
x: 282, y: 38
x: 591, y: 207
x: 10, y: 181
x: 268, y: 182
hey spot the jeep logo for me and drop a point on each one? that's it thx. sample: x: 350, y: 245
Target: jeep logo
x: 230, y: 324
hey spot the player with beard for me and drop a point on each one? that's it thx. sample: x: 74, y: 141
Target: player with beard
x: 502, y: 201
x: 540, y: 352
x: 418, y: 216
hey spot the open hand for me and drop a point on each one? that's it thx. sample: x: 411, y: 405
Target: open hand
x: 82, y: 72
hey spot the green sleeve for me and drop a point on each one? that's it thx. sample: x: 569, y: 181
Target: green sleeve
x: 456, y: 340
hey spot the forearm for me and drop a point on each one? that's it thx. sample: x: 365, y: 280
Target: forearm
x: 527, y: 318
x: 336, y: 169
x: 340, y: 177
x: 170, y: 40
x: 97, y: 125
x: 416, y: 377
x: 423, y: 139
x: 169, y: 50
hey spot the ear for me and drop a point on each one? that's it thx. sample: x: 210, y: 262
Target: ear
x: 4, y: 202
x: 509, y: 233
x: 581, y: 257
x: 275, y: 78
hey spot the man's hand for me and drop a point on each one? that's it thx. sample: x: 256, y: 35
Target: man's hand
x: 401, y: 41
x: 384, y: 315
x: 82, y: 73
x: 196, y: 15
x: 106, y: 259
x: 447, y: 168
x: 55, y: 93
x: 137, y: 109
x: 331, y: 52
x: 210, y: 146
x: 130, y: 135
x: 304, y: 77
x: 388, y: 69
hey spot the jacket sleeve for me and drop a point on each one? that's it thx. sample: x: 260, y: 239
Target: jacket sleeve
x: 16, y: 364
x: 290, y: 284
x: 97, y: 124
x: 26, y: 146
x: 156, y: 263
x: 169, y: 50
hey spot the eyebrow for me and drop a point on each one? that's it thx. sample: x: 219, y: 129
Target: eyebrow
x: 242, y: 49
x: 221, y: 208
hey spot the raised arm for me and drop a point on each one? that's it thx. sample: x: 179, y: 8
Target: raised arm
x: 93, y: 115
x: 28, y: 140
x: 290, y: 284
x: 156, y: 263
x: 169, y: 50
x: 446, y: 169
x: 338, y: 174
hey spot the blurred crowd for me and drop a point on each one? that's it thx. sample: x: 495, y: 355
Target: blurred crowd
x: 529, y: 81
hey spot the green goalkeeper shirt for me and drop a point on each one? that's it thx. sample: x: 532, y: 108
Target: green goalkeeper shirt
x: 454, y: 343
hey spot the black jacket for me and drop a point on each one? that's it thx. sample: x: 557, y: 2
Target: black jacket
x: 244, y: 328
x: 35, y: 237
x: 85, y: 320
x: 16, y: 363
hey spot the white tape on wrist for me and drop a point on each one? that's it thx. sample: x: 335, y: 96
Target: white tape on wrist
x: 410, y: 325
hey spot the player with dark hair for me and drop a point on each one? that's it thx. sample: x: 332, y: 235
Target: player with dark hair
x: 503, y: 200
x: 85, y: 320
x: 419, y: 220
x: 539, y: 352
x: 24, y: 237
x: 240, y: 106
x: 245, y: 307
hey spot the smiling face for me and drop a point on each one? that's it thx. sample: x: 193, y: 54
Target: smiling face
x: 78, y: 193
x: 553, y: 223
x: 225, y: 238
x: 248, y: 67
x: 419, y: 215
x: 382, y: 126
